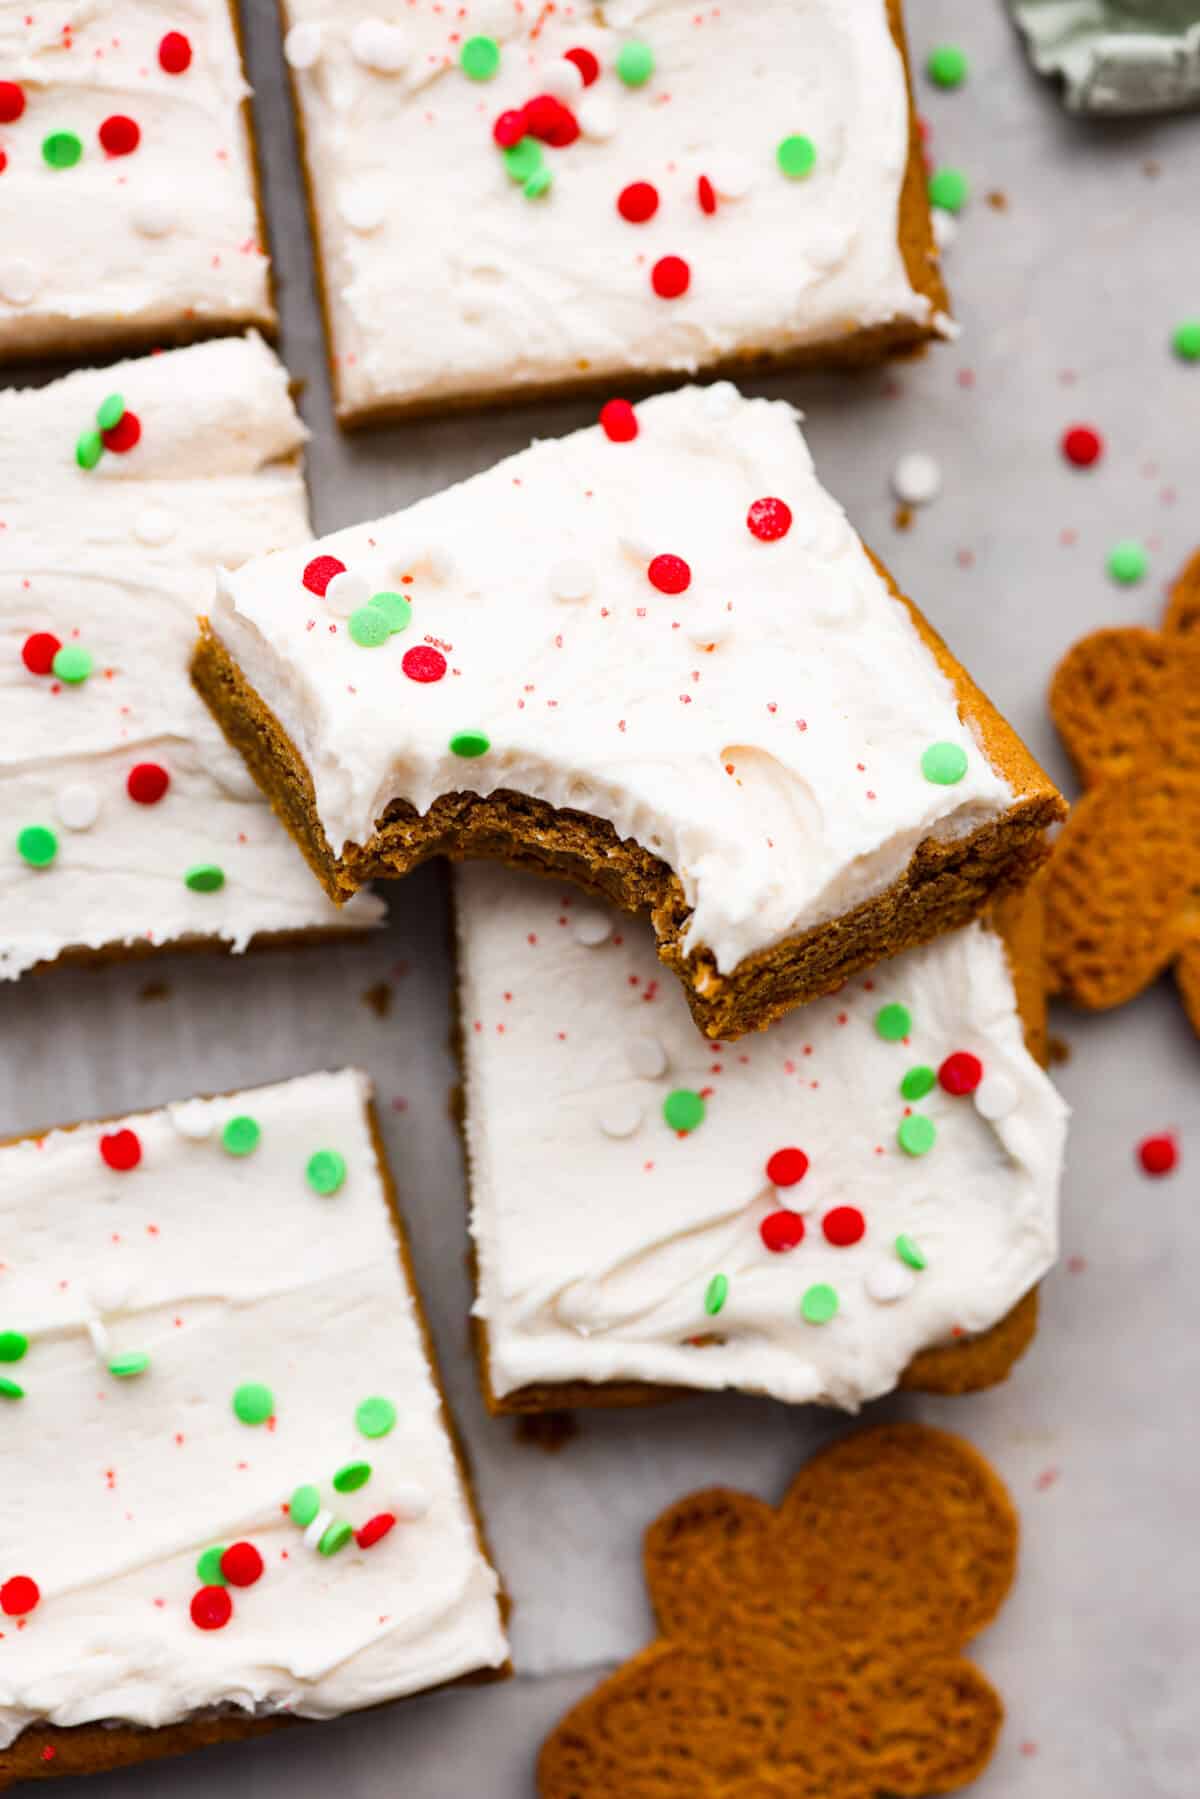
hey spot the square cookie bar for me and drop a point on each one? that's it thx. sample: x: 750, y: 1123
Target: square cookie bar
x: 514, y: 200
x: 652, y: 657
x: 131, y: 210
x: 125, y: 822
x: 208, y: 1318
x: 864, y: 1196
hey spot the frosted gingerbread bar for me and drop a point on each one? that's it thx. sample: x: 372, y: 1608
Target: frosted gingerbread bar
x: 131, y: 210
x: 655, y: 659
x: 514, y: 200
x: 125, y: 822
x: 864, y: 1196
x: 209, y: 1318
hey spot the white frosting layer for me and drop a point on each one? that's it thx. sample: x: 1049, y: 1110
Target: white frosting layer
x: 762, y: 732
x: 413, y: 198
x: 600, y: 1229
x: 164, y: 237
x: 118, y: 560
x: 225, y: 1271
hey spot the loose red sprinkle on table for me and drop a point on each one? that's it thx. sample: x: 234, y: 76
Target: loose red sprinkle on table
x: 769, y: 520
x: 212, y: 1608
x: 242, y: 1565
x: 174, y: 53
x: 587, y: 64
x: 843, y: 1226
x: 1158, y: 1155
x: 706, y: 194
x: 781, y: 1230
x: 121, y: 1150
x: 1082, y: 445
x: 548, y: 119
x: 509, y: 129
x: 19, y: 1596
x: 618, y: 421
x: 670, y: 574
x: 12, y: 102
x: 320, y: 572
x: 638, y: 202
x: 670, y: 277
x: 120, y: 135
x: 147, y: 783
x: 38, y: 652
x: 786, y: 1167
x: 422, y: 663
x: 960, y: 1073
x: 374, y: 1530
x: 124, y: 434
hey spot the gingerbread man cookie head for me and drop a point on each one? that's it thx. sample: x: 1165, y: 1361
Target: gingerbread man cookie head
x: 812, y: 1652
x: 1122, y: 889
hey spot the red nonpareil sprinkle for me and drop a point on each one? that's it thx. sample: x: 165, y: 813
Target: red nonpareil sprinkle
x: 12, y: 102
x: 706, y: 194
x: 843, y: 1226
x: 124, y: 435
x: 211, y: 1608
x: 618, y: 421
x: 769, y: 520
x: 423, y: 663
x: 320, y: 572
x: 786, y: 1167
x: 242, y: 1565
x: 587, y: 64
x: 19, y: 1596
x: 119, y: 134
x: 960, y: 1073
x: 120, y: 1150
x: 38, y: 652
x: 637, y: 202
x: 670, y: 277
x: 174, y: 53
x: 147, y: 783
x: 549, y: 120
x: 1158, y: 1155
x: 670, y: 574
x: 509, y: 129
x: 1082, y: 445
x: 374, y: 1530
x: 781, y: 1230
x: 3, y: 162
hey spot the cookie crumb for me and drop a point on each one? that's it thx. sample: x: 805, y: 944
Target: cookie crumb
x: 378, y: 997
x: 549, y: 1431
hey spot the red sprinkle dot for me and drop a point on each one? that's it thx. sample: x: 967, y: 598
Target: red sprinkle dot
x: 786, y: 1167
x: 670, y: 277
x: 374, y: 1530
x: 38, y: 652
x: 124, y: 434
x: 147, y: 783
x: 19, y: 1596
x: 3, y: 162
x: 706, y: 194
x: 120, y: 135
x: 212, y: 1608
x: 242, y: 1565
x: 843, y: 1226
x: 1082, y: 445
x: 174, y: 53
x: 12, y: 102
x: 1158, y: 1155
x: 587, y: 64
x: 121, y: 1150
x: 769, y: 520
x: 638, y: 202
x: 320, y: 572
x: 781, y: 1230
x: 960, y: 1073
x: 423, y: 663
x: 618, y: 421
x: 670, y: 574
x: 509, y: 129
x: 549, y: 120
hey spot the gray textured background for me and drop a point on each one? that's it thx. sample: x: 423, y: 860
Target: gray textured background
x: 1066, y: 293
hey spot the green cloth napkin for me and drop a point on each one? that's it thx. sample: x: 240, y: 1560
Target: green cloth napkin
x: 1117, y: 56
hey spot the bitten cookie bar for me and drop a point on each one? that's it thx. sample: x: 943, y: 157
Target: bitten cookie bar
x: 125, y: 822
x: 208, y: 1319
x: 127, y: 172
x: 607, y: 192
x: 803, y: 1215
x: 654, y: 658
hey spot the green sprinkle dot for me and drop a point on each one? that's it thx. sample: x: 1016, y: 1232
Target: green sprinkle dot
x: 716, y: 1294
x: 635, y: 63
x: 253, y: 1403
x: 944, y: 764
x: 908, y: 1251
x: 394, y: 607
x: 1185, y: 340
x: 1128, y: 562
x: 240, y: 1135
x: 304, y: 1505
x: 480, y: 58
x: 89, y: 448
x: 204, y: 877
x: 797, y: 157
x: 369, y: 628
x: 326, y: 1171
x: 336, y: 1537
x: 375, y: 1417
x: 470, y: 744
x: 125, y: 1367
x: 351, y: 1476
x: 949, y: 189
x: 62, y: 149
x: 110, y: 412
x: 539, y: 183
x: 819, y: 1304
x: 683, y: 1109
x: 208, y: 1567
x: 10, y: 1390
x: 37, y: 845
x: 918, y: 1082
x: 13, y: 1346
x: 72, y: 664
x: 917, y: 1135
x: 893, y: 1022
x: 523, y: 159
x: 946, y: 65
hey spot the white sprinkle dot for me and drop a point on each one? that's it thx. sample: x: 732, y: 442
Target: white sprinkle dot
x: 562, y: 79
x: 647, y: 1058
x: 995, y: 1097
x: 154, y: 215
x: 945, y: 227
x: 571, y: 580
x: 78, y: 805
x: 889, y: 1281
x: 593, y: 929
x: 731, y: 174
x: 154, y: 525
x: 916, y: 479
x: 621, y: 1119
x: 316, y: 1530
x: 410, y: 1502
x: 712, y: 625
x: 379, y: 46
x: 347, y: 592
x: 363, y: 205
x: 302, y: 46
x: 193, y: 1119
x: 18, y: 280
x: 109, y: 1292
x: 597, y: 117
x: 99, y: 1336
